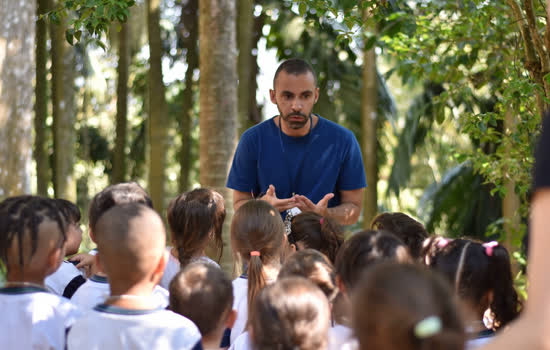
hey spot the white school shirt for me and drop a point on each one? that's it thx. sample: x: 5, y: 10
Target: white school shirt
x: 110, y: 327
x: 243, y: 342
x: 341, y: 337
x: 34, y: 318
x: 240, y: 304
x: 96, y: 290
x: 58, y: 281
x: 173, y: 267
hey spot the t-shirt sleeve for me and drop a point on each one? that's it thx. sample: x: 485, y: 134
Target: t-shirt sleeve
x: 243, y: 174
x: 352, y: 173
x: 542, y: 156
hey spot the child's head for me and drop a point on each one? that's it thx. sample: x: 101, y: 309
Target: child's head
x: 311, y: 230
x: 71, y: 214
x: 291, y: 313
x: 482, y: 276
x: 410, y: 231
x: 131, y: 245
x: 32, y: 238
x: 204, y: 294
x: 314, y: 266
x: 432, y: 246
x: 363, y: 250
x: 125, y: 192
x: 257, y: 238
x: 405, y: 307
x: 196, y: 219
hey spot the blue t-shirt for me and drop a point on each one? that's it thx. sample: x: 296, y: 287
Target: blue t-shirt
x: 327, y: 160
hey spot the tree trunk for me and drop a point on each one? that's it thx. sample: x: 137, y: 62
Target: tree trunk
x: 244, y: 27
x: 119, y: 156
x: 218, y: 101
x: 188, y: 36
x: 511, y: 203
x: 63, y: 90
x: 369, y: 117
x: 157, y: 108
x: 17, y: 21
x: 41, y: 103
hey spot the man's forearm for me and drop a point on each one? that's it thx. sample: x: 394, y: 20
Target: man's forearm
x: 345, y: 213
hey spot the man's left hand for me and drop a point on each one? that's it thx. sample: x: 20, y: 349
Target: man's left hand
x: 305, y: 204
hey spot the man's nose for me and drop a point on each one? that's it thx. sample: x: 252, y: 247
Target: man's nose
x: 296, y: 104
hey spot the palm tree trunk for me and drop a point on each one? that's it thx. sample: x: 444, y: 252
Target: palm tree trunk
x: 244, y: 27
x: 16, y: 94
x: 218, y: 101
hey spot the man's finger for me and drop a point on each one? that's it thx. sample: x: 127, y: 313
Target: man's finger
x: 324, y: 201
x: 270, y: 191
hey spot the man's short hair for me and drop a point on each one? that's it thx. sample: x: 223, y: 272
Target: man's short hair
x: 295, y: 66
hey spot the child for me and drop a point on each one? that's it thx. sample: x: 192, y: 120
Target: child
x: 67, y: 278
x: 96, y: 288
x: 314, y: 266
x: 292, y: 313
x: 405, y: 307
x: 311, y: 230
x: 131, y: 250
x: 195, y: 219
x: 203, y: 293
x: 258, y: 239
x: 410, y: 231
x: 482, y: 277
x: 32, y: 237
x: 360, y: 252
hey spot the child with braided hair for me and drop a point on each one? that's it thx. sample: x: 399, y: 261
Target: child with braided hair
x: 32, y: 237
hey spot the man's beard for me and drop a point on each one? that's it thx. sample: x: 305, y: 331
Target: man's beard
x: 296, y: 124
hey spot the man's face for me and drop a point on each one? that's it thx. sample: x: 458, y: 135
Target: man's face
x: 295, y: 96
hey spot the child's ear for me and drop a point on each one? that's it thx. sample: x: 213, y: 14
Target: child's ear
x: 98, y: 263
x: 55, y: 258
x: 341, y: 285
x: 231, y: 318
x: 159, y: 269
x: 91, y: 234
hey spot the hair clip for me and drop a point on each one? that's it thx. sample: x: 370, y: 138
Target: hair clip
x: 321, y: 220
x: 489, y: 247
x: 442, y: 242
x: 428, y: 327
x: 254, y: 253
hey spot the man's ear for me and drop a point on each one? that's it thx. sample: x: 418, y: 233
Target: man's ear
x: 273, y: 96
x: 316, y: 95
x: 231, y: 318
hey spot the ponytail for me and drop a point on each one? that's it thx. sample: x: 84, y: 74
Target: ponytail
x: 256, y: 278
x: 506, y: 304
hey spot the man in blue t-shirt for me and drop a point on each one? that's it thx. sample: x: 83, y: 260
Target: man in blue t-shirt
x: 299, y: 159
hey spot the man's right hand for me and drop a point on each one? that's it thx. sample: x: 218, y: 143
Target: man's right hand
x: 279, y: 204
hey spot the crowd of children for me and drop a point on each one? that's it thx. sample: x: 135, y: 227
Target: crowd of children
x: 391, y: 287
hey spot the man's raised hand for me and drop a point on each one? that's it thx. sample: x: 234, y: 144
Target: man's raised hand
x: 305, y: 204
x: 279, y: 204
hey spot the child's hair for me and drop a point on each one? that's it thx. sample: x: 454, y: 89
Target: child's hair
x: 476, y: 269
x: 258, y: 238
x: 203, y: 294
x: 121, y: 193
x: 314, y: 266
x: 405, y: 307
x: 195, y: 217
x: 410, y: 231
x: 317, y: 232
x: 364, y: 249
x: 290, y: 314
x: 69, y: 210
x: 431, y: 247
x: 20, y: 218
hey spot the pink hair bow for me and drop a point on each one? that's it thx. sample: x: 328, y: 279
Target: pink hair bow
x: 441, y: 243
x: 489, y: 247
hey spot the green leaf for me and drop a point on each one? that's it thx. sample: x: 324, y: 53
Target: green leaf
x: 69, y: 36
x: 302, y: 9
